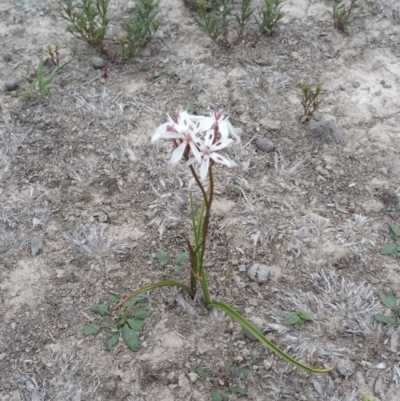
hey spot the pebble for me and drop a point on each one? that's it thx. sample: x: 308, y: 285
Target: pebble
x: 265, y: 145
x: 258, y: 272
x: 98, y: 63
x: 245, y: 352
x: 13, y: 326
x: 248, y: 334
x: 322, y: 171
x: 193, y: 376
x: 345, y: 367
x: 2, y: 356
x: 130, y: 6
x: 11, y: 85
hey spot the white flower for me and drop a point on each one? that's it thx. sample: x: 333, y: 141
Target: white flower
x: 207, y: 150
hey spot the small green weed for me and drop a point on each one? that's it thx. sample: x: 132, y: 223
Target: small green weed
x: 393, y: 248
x: 216, y: 18
x: 310, y: 99
x: 163, y: 259
x: 341, y: 14
x: 390, y: 301
x: 42, y: 84
x: 126, y: 322
x: 298, y: 318
x: 88, y: 22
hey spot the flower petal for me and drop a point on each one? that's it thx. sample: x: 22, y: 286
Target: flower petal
x: 222, y: 143
x: 204, y: 167
x: 195, y: 152
x: 220, y: 159
x: 177, y: 154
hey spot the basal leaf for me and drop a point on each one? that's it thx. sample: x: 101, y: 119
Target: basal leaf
x: 388, y: 249
x: 114, y: 298
x: 182, y: 258
x: 135, y: 324
x: 201, y: 372
x: 162, y: 257
x: 385, y: 319
x: 305, y: 314
x: 91, y: 329
x: 389, y: 300
x: 291, y: 319
x: 100, y: 309
x: 132, y: 301
x: 395, y: 230
x: 112, y: 340
x: 215, y: 395
x: 238, y: 390
x: 140, y: 313
x: 130, y: 338
x: 177, y: 268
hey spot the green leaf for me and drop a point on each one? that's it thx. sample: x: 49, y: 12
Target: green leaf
x: 291, y: 318
x: 388, y: 249
x: 91, y: 329
x: 100, y: 309
x: 112, y: 340
x: 130, y: 338
x: 162, y: 257
x: 217, y: 396
x: 385, y: 319
x: 244, y: 373
x: 114, y: 298
x: 395, y: 230
x: 299, y: 325
x: 238, y: 390
x: 132, y: 301
x: 140, y: 313
x: 305, y: 314
x: 177, y: 268
x: 392, y: 235
x: 135, y: 324
x: 389, y: 300
x: 182, y: 258
x: 201, y: 372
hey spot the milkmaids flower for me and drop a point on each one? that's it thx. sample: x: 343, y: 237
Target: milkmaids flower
x: 208, y: 149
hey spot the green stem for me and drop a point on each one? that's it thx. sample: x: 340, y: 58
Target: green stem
x: 268, y: 343
x: 165, y: 283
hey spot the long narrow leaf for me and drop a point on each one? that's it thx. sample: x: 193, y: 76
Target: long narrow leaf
x: 165, y: 283
x: 256, y: 333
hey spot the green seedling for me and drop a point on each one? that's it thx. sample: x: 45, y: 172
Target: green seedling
x: 127, y: 322
x: 163, y: 259
x: 341, y: 14
x: 390, y: 301
x: 88, y: 19
x: 270, y: 17
x: 298, y: 318
x: 53, y: 55
x: 42, y: 84
x: 219, y: 18
x: 141, y: 28
x: 310, y: 99
x: 393, y: 248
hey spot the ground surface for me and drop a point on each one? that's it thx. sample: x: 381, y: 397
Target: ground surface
x: 80, y: 180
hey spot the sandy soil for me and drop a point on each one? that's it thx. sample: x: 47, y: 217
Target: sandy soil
x: 80, y: 180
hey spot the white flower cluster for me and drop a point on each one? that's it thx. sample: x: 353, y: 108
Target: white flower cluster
x: 198, y: 138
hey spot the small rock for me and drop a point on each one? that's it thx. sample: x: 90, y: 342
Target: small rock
x: 36, y: 245
x: 355, y: 84
x: 171, y: 376
x: 130, y: 6
x: 11, y: 85
x: 322, y: 171
x: 184, y: 384
x: 13, y: 326
x: 265, y: 145
x: 346, y: 367
x: 245, y: 352
x: 258, y: 272
x: 2, y: 356
x: 248, y: 334
x: 98, y: 63
x: 193, y: 376
x: 372, y: 206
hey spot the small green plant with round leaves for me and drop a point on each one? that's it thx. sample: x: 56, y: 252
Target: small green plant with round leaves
x: 390, y: 301
x: 310, y: 99
x: 298, y: 318
x: 125, y: 322
x: 394, y: 247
